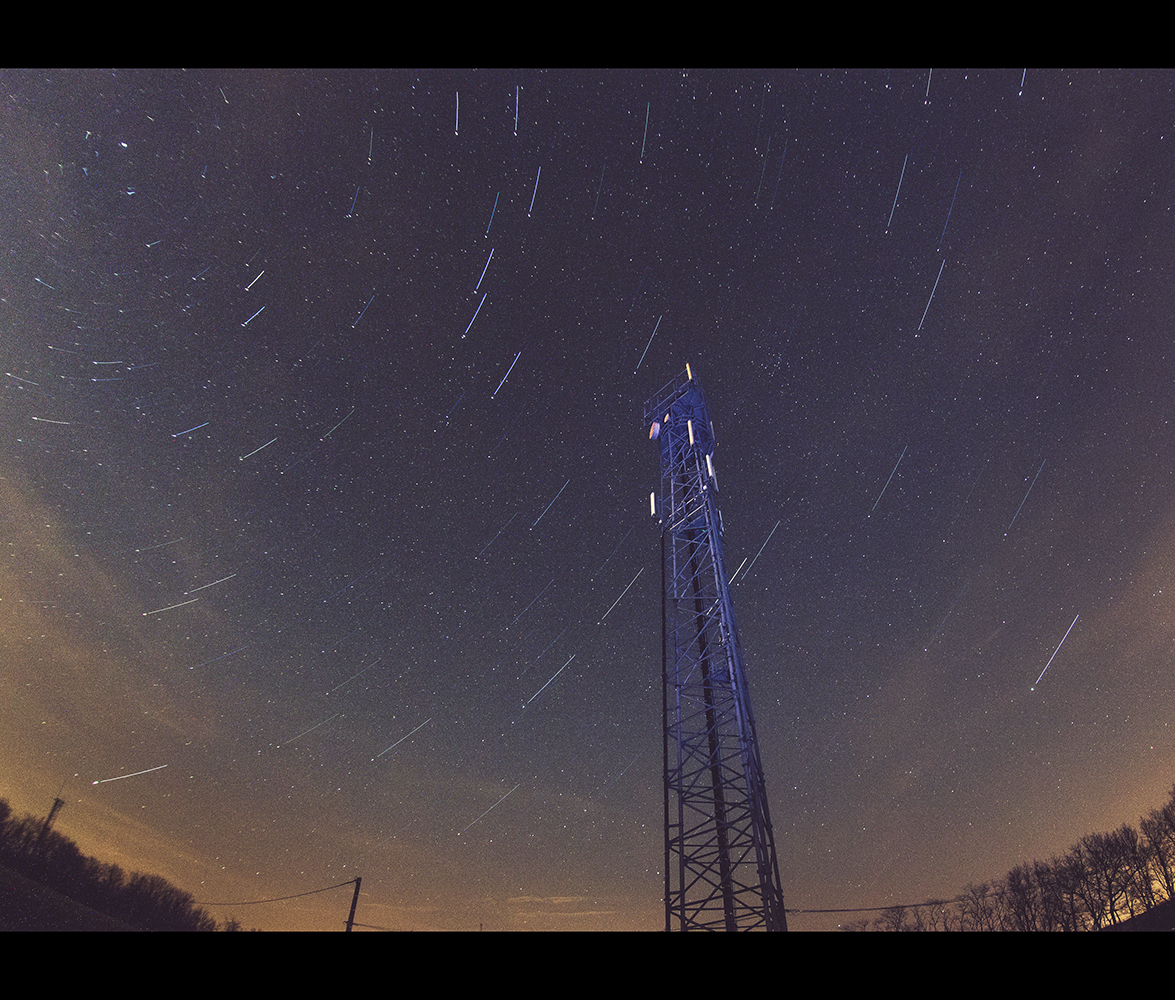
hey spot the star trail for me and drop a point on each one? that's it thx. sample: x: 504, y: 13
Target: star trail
x: 384, y: 498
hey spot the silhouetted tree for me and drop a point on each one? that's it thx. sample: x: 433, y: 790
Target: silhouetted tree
x: 918, y: 919
x: 936, y: 917
x: 1140, y: 884
x: 1022, y: 899
x: 1158, y: 830
x: 952, y: 917
x: 892, y: 919
x: 978, y: 908
x: 1050, y: 914
x: 156, y: 904
x: 20, y: 839
x: 1107, y: 874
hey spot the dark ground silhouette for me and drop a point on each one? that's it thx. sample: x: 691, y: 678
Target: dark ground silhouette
x: 26, y: 905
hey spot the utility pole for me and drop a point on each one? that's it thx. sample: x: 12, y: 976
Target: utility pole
x: 354, y: 903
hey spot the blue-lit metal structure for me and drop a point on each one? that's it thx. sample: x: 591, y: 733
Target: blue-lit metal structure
x: 721, y: 872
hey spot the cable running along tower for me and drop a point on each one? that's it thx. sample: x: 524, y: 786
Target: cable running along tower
x: 721, y: 871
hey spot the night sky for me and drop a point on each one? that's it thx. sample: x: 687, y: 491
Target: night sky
x: 325, y: 523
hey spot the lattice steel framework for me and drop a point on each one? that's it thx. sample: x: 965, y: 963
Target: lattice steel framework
x: 721, y: 871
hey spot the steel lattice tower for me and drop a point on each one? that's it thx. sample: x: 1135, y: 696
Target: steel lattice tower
x: 721, y: 871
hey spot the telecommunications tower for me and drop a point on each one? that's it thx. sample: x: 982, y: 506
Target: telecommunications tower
x: 720, y: 867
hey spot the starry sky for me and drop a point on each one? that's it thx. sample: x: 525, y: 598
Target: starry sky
x: 324, y: 483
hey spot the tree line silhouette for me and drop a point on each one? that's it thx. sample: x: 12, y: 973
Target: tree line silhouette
x: 30, y: 847
x: 1100, y: 882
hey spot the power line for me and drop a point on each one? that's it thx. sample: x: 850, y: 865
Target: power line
x: 278, y: 899
x: 907, y: 906
x: 892, y: 906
